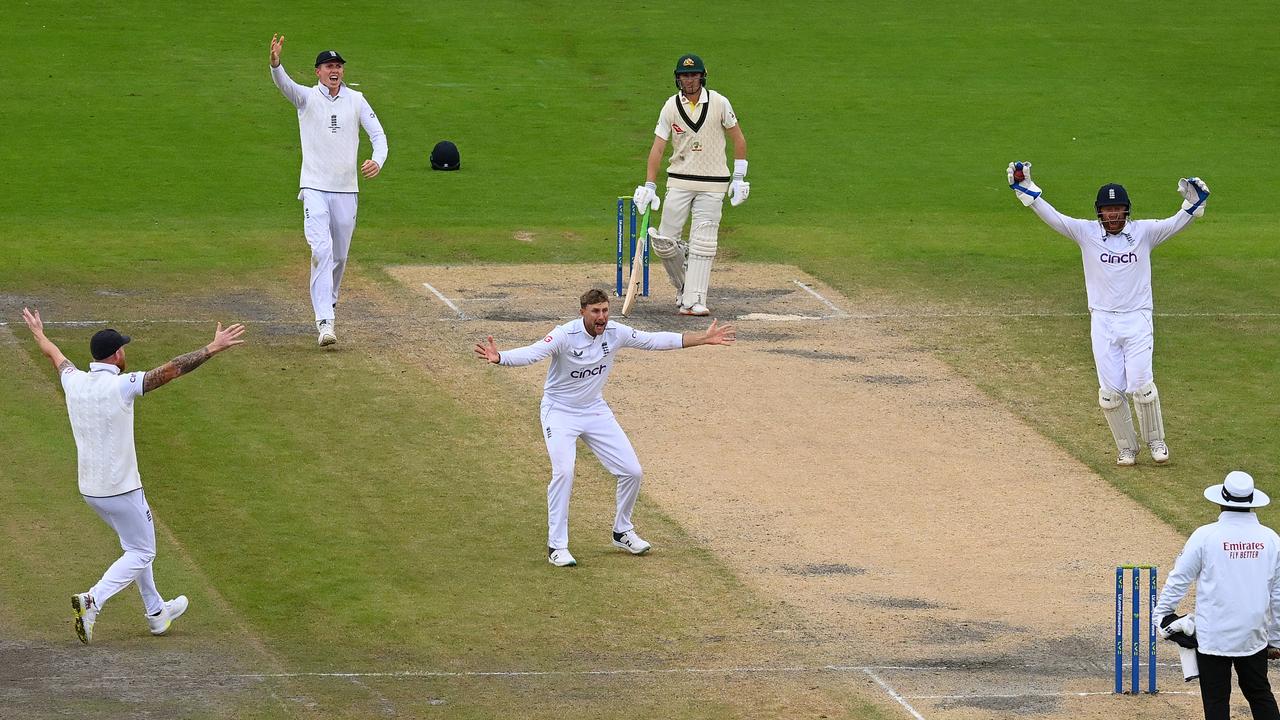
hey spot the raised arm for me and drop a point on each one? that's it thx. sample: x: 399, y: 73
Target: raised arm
x: 292, y: 91
x: 223, y: 339
x: 51, y: 351
x: 716, y: 334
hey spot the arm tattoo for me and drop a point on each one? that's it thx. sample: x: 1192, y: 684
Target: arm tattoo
x: 62, y: 366
x: 169, y: 371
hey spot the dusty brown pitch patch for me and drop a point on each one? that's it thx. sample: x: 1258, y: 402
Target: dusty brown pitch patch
x: 980, y: 557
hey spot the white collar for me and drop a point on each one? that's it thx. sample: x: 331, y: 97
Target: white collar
x: 104, y: 367
x: 702, y: 97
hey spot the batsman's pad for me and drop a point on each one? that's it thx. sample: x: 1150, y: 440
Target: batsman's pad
x: 702, y: 251
x: 1115, y: 408
x: 672, y: 252
x: 1150, y: 419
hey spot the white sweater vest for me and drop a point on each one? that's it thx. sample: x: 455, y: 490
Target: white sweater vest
x: 102, y: 423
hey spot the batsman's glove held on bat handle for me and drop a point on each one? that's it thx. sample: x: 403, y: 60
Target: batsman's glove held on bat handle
x: 1195, y: 193
x: 646, y: 197
x: 1021, y: 184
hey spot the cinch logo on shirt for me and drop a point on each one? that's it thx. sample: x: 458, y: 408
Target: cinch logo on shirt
x: 1113, y: 259
x: 1243, y: 550
x: 578, y: 374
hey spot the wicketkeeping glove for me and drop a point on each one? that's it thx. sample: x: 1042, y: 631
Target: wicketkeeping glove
x: 1020, y: 180
x: 646, y: 197
x: 1196, y: 193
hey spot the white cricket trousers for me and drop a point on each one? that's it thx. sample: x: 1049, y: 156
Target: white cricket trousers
x: 329, y: 219
x: 706, y: 207
x: 1122, y: 346
x: 130, y: 517
x: 561, y: 427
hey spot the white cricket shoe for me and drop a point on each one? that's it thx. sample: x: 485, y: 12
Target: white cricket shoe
x: 631, y: 542
x: 1127, y: 457
x: 172, y: 610
x: 327, y: 335
x: 1159, y: 451
x: 696, y: 310
x: 560, y: 558
x: 86, y: 611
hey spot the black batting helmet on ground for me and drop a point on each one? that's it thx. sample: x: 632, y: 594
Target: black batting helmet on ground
x: 444, y: 156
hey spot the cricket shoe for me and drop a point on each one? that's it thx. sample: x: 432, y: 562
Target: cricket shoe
x: 327, y: 335
x: 171, y: 611
x: 631, y: 542
x: 86, y: 611
x: 560, y: 558
x: 696, y: 310
x: 1159, y: 452
x: 1127, y: 457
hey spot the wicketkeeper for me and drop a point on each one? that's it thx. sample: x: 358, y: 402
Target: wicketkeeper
x: 1117, y: 276
x: 697, y: 122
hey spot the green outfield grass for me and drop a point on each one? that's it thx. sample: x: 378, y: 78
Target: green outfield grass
x: 354, y: 511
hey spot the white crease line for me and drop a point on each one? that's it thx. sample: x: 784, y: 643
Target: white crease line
x: 446, y: 301
x: 979, y: 696
x: 894, y: 694
x: 821, y: 299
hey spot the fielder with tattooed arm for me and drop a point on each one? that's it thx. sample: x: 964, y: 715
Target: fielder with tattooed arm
x: 100, y: 404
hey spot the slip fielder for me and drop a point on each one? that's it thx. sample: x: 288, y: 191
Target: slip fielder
x: 582, y: 353
x: 1116, y: 252
x: 329, y: 117
x: 697, y: 122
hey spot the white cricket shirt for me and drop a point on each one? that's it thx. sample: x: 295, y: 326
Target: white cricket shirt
x: 329, y: 128
x: 580, y: 363
x: 1117, y: 268
x: 696, y: 133
x: 100, y: 404
x: 1235, y: 564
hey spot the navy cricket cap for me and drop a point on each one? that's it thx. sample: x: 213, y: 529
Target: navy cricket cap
x: 444, y: 156
x: 105, y: 343
x: 329, y: 56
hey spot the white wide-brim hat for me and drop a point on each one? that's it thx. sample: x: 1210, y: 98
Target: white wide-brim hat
x: 1236, y: 490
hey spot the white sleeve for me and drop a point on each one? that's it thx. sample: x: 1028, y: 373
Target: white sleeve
x: 631, y: 337
x: 66, y: 375
x: 1162, y: 230
x: 1273, y: 629
x: 530, y: 354
x: 130, y: 385
x: 373, y: 128
x: 1185, y: 571
x: 1074, y: 228
x: 292, y: 91
x: 730, y: 119
x: 663, y: 129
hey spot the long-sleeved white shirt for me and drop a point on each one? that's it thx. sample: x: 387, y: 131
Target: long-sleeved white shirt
x: 1117, y: 268
x: 1235, y: 564
x: 580, y: 362
x: 330, y: 137
x: 100, y: 405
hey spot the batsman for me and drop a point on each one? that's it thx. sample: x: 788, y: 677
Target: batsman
x: 1116, y: 252
x: 698, y: 123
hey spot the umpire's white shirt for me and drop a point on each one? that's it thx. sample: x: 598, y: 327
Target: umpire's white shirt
x: 580, y: 363
x: 100, y: 404
x: 1235, y: 564
x: 330, y: 131
x: 1117, y: 268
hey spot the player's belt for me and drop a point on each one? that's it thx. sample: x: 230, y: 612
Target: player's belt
x: 699, y: 178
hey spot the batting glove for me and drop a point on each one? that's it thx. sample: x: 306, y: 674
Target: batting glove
x: 739, y: 188
x: 1020, y: 180
x: 1196, y: 193
x: 646, y: 197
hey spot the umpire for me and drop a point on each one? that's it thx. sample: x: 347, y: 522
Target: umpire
x: 1235, y: 563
